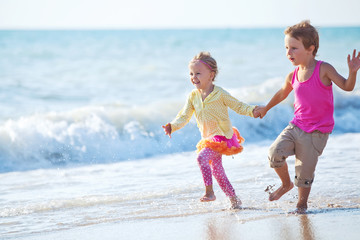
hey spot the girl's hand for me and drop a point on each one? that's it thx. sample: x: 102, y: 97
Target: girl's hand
x: 261, y: 111
x: 167, y: 129
x: 354, y: 63
x: 256, y: 112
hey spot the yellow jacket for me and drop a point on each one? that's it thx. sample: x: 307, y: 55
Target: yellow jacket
x: 211, y: 115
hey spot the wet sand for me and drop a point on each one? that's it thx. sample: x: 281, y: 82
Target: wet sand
x: 332, y: 223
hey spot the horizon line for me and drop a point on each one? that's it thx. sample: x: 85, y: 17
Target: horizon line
x: 164, y: 28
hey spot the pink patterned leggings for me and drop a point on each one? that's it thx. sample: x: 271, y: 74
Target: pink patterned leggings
x: 210, y: 163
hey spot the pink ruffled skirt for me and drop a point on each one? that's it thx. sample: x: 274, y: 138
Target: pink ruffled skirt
x: 223, y: 145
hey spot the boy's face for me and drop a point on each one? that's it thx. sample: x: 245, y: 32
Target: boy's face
x: 296, y: 52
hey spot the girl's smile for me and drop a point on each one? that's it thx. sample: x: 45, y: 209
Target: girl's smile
x: 201, y: 76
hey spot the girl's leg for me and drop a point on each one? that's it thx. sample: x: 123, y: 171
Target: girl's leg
x: 203, y: 159
x: 220, y: 175
x: 224, y: 183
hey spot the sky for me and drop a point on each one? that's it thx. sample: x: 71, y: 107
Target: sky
x: 169, y: 14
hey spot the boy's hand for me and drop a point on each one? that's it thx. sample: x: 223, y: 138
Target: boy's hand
x: 256, y: 112
x: 261, y: 111
x: 354, y: 63
x: 167, y: 129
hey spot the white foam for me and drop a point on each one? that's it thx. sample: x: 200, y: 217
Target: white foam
x: 117, y: 132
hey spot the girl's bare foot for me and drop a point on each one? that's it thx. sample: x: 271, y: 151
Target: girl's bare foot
x: 208, y: 198
x: 235, y: 202
x: 280, y: 191
x: 209, y: 194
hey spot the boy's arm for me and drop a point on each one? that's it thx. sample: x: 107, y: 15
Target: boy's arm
x: 331, y: 75
x: 278, y: 97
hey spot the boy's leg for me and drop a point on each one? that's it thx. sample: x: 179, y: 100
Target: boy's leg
x: 304, y: 193
x: 283, y: 146
x: 286, y: 183
x: 310, y: 147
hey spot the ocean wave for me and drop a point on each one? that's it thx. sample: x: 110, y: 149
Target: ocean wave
x: 118, y: 132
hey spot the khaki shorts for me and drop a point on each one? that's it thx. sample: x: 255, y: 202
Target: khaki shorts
x: 306, y: 147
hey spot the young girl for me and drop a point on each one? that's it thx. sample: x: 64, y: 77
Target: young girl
x: 210, y: 104
x: 307, y: 134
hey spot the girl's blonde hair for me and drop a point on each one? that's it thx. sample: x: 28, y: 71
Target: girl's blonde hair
x: 208, y: 60
x: 306, y: 33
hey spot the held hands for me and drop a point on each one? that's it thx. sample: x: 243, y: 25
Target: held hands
x: 354, y: 62
x: 167, y: 129
x: 259, y: 111
x: 256, y: 112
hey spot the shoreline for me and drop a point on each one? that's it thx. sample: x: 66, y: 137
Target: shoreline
x: 331, y: 223
x: 97, y: 202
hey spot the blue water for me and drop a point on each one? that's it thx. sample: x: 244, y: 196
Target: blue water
x: 81, y: 142
x: 83, y: 97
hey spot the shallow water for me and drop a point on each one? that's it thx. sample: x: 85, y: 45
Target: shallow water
x: 81, y: 142
x: 166, y: 187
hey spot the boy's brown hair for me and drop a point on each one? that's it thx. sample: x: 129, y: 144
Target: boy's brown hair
x: 306, y: 33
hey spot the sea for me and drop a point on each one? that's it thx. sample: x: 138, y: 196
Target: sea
x: 81, y: 142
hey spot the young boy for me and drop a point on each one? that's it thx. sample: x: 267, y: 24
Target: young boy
x: 307, y: 134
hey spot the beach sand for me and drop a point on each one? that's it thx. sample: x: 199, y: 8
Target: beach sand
x: 172, y: 210
x: 83, y: 154
x: 331, y: 223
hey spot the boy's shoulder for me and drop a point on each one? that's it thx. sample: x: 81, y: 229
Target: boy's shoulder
x: 290, y: 76
x: 326, y: 68
x: 325, y: 65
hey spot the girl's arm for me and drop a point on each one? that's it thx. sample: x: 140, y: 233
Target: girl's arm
x: 238, y: 106
x: 331, y: 75
x: 182, y: 118
x: 278, y: 97
x: 167, y: 129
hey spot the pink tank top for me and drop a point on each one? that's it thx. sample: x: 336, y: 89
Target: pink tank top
x: 314, y: 103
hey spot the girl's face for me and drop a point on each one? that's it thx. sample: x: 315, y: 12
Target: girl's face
x: 296, y: 52
x: 200, y: 75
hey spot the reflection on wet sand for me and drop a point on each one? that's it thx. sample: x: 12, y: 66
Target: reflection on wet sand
x: 239, y: 226
x: 217, y: 229
x: 302, y: 228
x: 306, y: 228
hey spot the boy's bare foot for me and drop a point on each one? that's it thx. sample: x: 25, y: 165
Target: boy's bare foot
x: 280, y: 191
x: 235, y: 203
x: 299, y: 211
x: 208, y: 198
x: 301, y: 208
